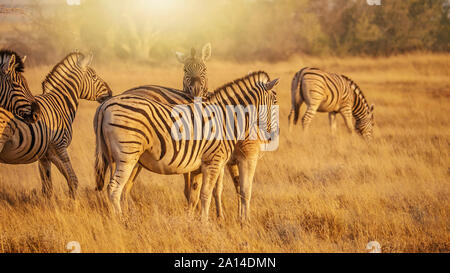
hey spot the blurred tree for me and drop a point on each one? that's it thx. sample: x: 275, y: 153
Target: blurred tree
x: 266, y: 30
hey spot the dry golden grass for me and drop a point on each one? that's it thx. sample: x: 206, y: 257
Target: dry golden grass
x: 314, y: 194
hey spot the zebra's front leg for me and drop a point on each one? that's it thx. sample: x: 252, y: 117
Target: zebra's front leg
x: 309, y: 115
x: 211, y: 171
x: 192, y: 186
x: 44, y: 165
x: 348, y: 118
x: 332, y: 120
x: 61, y: 159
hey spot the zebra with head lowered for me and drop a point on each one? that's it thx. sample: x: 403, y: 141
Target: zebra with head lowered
x: 332, y: 93
x: 15, y: 95
x: 133, y: 129
x: 47, y: 140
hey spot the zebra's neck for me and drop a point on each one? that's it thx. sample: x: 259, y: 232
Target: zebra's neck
x: 64, y: 83
x: 245, y: 95
x: 360, y: 108
x: 242, y: 91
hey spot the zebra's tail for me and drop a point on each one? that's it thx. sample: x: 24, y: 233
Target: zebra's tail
x: 295, y: 99
x: 101, y: 161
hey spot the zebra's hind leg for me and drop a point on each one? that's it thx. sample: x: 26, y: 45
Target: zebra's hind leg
x: 332, y: 120
x: 309, y: 115
x: 122, y: 173
x: 218, y: 189
x: 211, y: 171
x: 233, y: 168
x: 45, y: 173
x: 61, y: 159
x: 126, y: 195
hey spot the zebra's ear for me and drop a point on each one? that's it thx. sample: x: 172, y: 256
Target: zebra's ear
x: 272, y: 84
x: 86, y: 61
x: 372, y: 107
x: 206, y: 52
x: 11, y: 65
x: 180, y: 57
x: 23, y: 61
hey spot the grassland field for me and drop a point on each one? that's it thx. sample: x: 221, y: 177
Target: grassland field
x: 316, y: 193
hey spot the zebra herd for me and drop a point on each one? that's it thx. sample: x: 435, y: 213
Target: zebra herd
x: 135, y: 129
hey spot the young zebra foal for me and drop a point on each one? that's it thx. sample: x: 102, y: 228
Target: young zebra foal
x: 47, y: 140
x: 332, y: 93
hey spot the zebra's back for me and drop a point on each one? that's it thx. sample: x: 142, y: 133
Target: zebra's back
x: 329, y: 90
x: 134, y: 123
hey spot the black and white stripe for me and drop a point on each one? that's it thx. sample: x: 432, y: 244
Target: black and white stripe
x: 133, y: 130
x: 47, y: 140
x: 195, y: 78
x: 332, y: 93
x: 15, y: 96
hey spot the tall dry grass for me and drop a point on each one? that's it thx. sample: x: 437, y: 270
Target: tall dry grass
x: 314, y: 194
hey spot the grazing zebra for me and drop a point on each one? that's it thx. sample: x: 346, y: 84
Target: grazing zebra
x: 15, y: 96
x: 47, y: 140
x: 133, y: 129
x: 332, y: 93
x: 195, y: 80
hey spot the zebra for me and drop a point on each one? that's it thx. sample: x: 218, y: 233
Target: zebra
x: 332, y: 93
x: 195, y: 83
x: 47, y: 140
x: 15, y: 95
x: 245, y: 154
x: 133, y: 129
x: 195, y: 80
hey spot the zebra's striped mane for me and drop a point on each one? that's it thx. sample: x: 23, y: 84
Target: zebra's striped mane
x: 4, y: 53
x: 358, y: 92
x: 258, y: 76
x: 71, y: 56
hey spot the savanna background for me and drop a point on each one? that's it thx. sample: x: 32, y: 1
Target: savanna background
x: 316, y: 193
